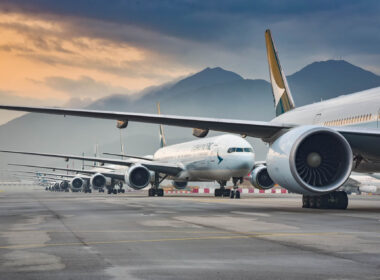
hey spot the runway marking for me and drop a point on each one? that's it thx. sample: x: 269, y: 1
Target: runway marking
x: 111, y: 231
x: 222, y: 237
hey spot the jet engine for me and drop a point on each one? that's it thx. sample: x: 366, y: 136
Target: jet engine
x: 56, y: 186
x: 260, y: 178
x: 179, y: 185
x: 98, y: 181
x: 64, y: 185
x: 138, y: 177
x: 310, y: 160
x: 76, y: 183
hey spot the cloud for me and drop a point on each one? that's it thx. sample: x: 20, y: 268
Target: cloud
x: 83, y: 87
x: 196, y: 33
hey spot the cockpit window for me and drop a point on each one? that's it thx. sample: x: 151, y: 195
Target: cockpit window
x: 231, y: 150
x: 240, y: 150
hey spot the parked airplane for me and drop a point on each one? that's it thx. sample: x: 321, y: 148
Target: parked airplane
x: 218, y: 158
x: 98, y: 177
x: 312, y: 149
x: 363, y: 183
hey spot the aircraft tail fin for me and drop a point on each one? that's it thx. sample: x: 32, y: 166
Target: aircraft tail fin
x: 162, y: 135
x: 282, y: 96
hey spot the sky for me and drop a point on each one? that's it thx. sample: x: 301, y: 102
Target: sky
x: 72, y: 52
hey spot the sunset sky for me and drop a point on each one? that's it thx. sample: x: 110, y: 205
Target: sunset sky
x: 68, y: 52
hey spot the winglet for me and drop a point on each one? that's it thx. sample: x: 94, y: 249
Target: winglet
x: 282, y: 96
x: 162, y: 135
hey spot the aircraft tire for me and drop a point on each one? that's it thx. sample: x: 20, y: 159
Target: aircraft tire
x: 227, y: 193
x: 237, y: 195
x: 217, y: 192
x: 313, y: 202
x: 305, y: 201
x: 232, y: 194
x: 160, y: 192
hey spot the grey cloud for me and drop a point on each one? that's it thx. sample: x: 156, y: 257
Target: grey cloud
x: 83, y: 87
x: 200, y: 33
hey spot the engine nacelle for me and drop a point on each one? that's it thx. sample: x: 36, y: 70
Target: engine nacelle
x: 310, y: 160
x: 64, y: 185
x: 138, y: 177
x: 98, y: 181
x: 76, y: 183
x: 56, y: 186
x: 179, y: 185
x: 260, y: 178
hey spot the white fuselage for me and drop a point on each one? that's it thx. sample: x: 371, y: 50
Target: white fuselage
x: 215, y: 158
x: 360, y: 109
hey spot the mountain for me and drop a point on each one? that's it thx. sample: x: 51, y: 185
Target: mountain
x: 212, y: 92
x: 327, y: 79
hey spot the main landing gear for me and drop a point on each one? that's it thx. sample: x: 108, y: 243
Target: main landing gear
x: 223, y: 192
x: 120, y: 189
x: 333, y: 200
x: 155, y: 190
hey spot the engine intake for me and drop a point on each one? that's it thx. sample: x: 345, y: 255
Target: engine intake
x: 77, y: 183
x: 64, y: 185
x: 310, y: 160
x: 98, y: 181
x: 138, y: 177
x: 260, y: 178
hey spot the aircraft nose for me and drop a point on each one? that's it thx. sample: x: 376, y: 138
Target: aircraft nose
x: 247, y: 161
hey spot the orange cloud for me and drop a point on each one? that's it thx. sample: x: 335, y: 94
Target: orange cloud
x: 35, y: 50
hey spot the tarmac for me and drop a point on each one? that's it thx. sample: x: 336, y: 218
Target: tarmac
x: 51, y: 235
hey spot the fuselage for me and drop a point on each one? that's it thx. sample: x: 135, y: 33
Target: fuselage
x: 361, y: 109
x: 213, y: 158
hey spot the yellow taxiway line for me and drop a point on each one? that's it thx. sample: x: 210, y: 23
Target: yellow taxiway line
x: 199, y: 238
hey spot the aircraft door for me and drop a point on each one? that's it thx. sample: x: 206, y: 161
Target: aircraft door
x: 317, y: 118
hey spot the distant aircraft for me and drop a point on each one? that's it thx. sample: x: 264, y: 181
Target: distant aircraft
x: 218, y: 158
x: 312, y: 149
x: 363, y: 183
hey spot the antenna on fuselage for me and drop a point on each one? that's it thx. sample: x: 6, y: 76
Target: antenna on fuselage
x: 162, y: 135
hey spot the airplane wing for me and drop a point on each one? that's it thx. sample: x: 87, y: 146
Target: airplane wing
x: 38, y: 173
x: 159, y: 167
x: 127, y: 156
x: 80, y: 172
x: 363, y: 141
x: 250, y: 128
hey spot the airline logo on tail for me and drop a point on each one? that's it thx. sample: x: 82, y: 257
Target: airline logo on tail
x: 282, y: 97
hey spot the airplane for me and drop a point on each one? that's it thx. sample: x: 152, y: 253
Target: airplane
x: 218, y: 158
x: 213, y: 159
x: 312, y: 148
x: 64, y: 180
x: 98, y: 177
x: 363, y: 183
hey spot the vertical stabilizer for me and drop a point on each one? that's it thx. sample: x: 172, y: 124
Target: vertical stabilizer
x: 283, y: 99
x: 162, y: 135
